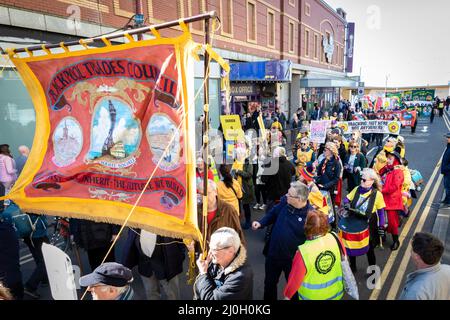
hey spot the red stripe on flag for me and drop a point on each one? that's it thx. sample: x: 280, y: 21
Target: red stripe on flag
x: 355, y: 236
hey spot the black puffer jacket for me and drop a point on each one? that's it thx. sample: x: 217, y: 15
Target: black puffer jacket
x: 445, y: 168
x: 92, y: 235
x: 278, y: 176
x: 330, y: 177
x: 235, y: 282
x: 166, y: 261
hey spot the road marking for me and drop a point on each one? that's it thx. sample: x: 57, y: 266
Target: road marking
x: 370, y: 151
x: 26, y: 261
x: 28, y: 256
x: 447, y: 121
x: 25, y: 256
x: 390, y: 262
x: 395, y: 286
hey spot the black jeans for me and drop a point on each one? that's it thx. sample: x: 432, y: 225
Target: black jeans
x: 10, y: 273
x: 40, y: 273
x: 370, y: 258
x: 96, y: 256
x: 260, y: 192
x: 247, y: 212
x: 274, y: 268
x: 379, y: 139
x: 447, y: 188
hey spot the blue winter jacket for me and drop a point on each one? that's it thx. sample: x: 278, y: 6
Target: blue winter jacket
x: 445, y: 167
x: 288, y: 229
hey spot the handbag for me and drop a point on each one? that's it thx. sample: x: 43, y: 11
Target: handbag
x: 21, y: 221
x: 350, y: 285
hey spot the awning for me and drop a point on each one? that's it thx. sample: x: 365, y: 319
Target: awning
x: 324, y: 81
x: 274, y: 70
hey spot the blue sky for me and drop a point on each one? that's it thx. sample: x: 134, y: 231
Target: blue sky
x: 406, y: 40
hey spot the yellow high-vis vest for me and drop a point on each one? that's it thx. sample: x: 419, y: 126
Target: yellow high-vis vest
x: 304, y: 156
x: 323, y: 279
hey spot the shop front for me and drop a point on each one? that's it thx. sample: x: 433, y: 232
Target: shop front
x: 245, y: 97
x: 324, y: 90
x: 255, y: 83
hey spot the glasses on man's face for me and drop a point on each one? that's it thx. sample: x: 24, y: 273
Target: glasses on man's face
x: 218, y: 249
x: 304, y: 144
x: 365, y: 179
x: 293, y: 197
x: 96, y: 286
x: 353, y: 147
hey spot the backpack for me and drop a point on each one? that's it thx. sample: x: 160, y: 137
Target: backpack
x: 21, y: 221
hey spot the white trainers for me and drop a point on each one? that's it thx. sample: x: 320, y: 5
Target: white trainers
x: 256, y: 206
x: 262, y: 207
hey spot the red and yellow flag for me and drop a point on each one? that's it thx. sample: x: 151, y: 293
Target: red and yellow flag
x: 108, y: 119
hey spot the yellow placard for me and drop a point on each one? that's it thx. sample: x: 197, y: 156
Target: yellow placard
x: 232, y: 129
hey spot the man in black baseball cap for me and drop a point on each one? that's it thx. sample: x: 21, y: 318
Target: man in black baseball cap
x: 109, y: 281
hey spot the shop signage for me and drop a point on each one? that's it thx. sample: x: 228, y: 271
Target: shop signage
x: 244, y: 89
x: 350, y: 44
x: 274, y: 70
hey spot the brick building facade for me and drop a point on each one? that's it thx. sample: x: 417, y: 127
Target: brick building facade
x: 251, y: 30
x: 271, y: 29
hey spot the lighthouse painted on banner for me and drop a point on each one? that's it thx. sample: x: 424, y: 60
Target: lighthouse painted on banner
x: 109, y: 143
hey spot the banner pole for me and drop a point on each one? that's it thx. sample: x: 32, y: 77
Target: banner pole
x: 205, y: 136
x: 205, y: 16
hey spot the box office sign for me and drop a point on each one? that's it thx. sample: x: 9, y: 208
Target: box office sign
x: 244, y: 89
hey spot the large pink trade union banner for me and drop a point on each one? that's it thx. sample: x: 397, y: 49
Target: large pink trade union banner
x: 108, y: 119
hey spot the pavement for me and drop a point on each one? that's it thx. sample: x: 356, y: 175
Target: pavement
x: 423, y: 150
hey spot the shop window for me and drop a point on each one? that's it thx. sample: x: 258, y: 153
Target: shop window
x: 307, y: 43
x: 17, y: 116
x: 270, y: 28
x: 251, y: 21
x: 291, y: 36
x: 214, y: 100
